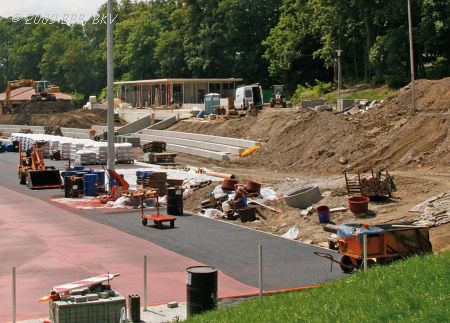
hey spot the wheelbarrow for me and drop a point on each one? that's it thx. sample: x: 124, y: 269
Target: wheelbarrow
x: 385, y: 243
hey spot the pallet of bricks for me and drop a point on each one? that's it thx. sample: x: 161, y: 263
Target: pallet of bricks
x: 153, y: 180
x: 154, y: 147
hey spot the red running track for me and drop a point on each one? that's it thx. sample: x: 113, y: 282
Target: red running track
x: 51, y: 246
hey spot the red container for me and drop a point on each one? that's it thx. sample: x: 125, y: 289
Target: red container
x: 358, y: 204
x: 228, y: 184
x: 252, y: 187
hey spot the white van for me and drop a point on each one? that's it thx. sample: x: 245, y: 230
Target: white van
x: 247, y: 94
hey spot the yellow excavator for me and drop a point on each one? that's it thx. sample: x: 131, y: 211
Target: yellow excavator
x: 43, y: 91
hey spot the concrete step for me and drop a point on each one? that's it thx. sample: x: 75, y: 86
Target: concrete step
x: 76, y: 135
x: 242, y: 143
x: 216, y: 155
x: 233, y: 150
x: 16, y: 128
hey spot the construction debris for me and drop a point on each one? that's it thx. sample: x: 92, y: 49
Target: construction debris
x: 435, y: 211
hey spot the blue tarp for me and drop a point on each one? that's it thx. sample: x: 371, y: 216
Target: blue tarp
x: 349, y: 230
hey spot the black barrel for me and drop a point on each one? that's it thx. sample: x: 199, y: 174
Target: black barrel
x: 201, y: 289
x: 134, y: 301
x: 174, y: 201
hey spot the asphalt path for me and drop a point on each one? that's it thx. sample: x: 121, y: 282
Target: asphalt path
x: 230, y: 248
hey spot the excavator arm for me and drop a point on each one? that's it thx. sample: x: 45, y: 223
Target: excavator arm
x: 11, y: 85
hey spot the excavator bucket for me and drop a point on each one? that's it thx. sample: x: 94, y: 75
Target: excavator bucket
x: 44, y: 179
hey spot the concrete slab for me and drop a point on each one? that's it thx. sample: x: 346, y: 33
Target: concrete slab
x: 216, y: 155
x: 233, y: 150
x: 164, y: 124
x: 242, y: 143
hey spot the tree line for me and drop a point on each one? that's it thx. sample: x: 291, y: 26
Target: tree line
x: 266, y: 41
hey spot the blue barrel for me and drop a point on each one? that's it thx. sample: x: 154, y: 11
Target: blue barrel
x: 78, y: 168
x: 68, y: 173
x: 142, y: 174
x: 2, y: 148
x: 9, y: 147
x: 89, y: 184
x: 100, y: 180
x: 324, y: 214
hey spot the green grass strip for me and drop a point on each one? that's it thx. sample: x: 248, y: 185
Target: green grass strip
x: 413, y: 290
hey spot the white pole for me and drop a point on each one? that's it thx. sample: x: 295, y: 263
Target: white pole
x: 13, y: 294
x: 110, y: 86
x: 339, y: 52
x: 365, y: 251
x: 260, y: 256
x: 411, y: 56
x: 145, y: 284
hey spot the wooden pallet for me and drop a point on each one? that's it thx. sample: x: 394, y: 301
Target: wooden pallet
x: 353, y: 184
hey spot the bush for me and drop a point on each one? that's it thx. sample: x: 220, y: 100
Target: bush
x: 308, y: 91
x: 78, y: 100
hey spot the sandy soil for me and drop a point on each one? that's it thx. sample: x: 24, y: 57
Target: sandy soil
x: 72, y: 119
x: 305, y: 147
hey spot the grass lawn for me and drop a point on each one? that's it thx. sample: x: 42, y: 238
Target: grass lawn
x: 363, y: 92
x: 413, y: 290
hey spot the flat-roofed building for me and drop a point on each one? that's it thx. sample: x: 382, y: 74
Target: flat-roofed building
x: 181, y: 91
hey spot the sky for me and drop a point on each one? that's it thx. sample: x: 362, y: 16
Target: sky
x: 57, y: 8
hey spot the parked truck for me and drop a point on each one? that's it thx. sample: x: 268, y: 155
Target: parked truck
x: 247, y: 95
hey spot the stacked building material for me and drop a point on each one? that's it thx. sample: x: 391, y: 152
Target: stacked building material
x: 45, y: 150
x: 101, y: 149
x: 64, y: 148
x: 85, y: 156
x: 74, y: 147
x: 154, y: 147
x: 154, y: 180
x: 124, y: 153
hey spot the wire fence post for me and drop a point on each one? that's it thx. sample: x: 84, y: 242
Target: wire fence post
x: 365, y: 251
x: 260, y: 271
x: 13, y: 295
x: 145, y: 283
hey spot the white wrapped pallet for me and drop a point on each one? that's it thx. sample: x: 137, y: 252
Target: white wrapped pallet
x: 85, y: 156
x: 124, y: 152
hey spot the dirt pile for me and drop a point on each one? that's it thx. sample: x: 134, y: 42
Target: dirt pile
x: 392, y: 136
x: 73, y: 119
x: 43, y: 107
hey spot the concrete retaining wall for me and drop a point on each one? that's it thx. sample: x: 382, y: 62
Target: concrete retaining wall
x: 233, y: 150
x: 135, y: 126
x: 16, y: 128
x: 241, y: 143
x: 166, y: 123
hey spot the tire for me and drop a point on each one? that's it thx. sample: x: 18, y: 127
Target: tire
x: 346, y: 260
x: 144, y: 222
x: 22, y: 178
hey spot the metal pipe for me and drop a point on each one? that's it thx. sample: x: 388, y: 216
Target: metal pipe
x: 260, y: 262
x: 365, y: 251
x: 145, y: 284
x: 110, y: 85
x: 411, y: 56
x: 13, y: 295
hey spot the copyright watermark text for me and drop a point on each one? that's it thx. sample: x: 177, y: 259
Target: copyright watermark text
x: 66, y: 19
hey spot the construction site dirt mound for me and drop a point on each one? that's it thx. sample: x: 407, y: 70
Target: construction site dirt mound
x: 45, y: 107
x: 73, y: 119
x: 392, y: 136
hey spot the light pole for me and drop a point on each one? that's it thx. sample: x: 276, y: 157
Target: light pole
x: 339, y: 52
x: 411, y: 56
x: 110, y: 86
